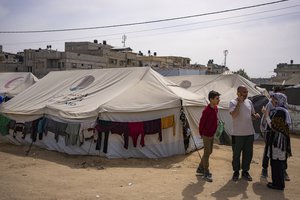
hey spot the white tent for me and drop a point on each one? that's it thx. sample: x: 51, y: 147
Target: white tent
x: 12, y: 83
x: 226, y: 85
x: 116, y: 95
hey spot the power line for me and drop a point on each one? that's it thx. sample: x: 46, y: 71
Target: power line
x: 214, y: 26
x: 145, y: 22
x: 176, y: 26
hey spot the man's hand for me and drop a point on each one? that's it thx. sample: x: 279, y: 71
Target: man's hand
x: 240, y: 99
x: 256, y: 116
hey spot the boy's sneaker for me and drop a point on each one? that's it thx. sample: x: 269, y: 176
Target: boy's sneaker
x: 235, y: 176
x: 264, y: 173
x: 286, y: 176
x: 200, y: 172
x: 246, y: 176
x: 208, y: 177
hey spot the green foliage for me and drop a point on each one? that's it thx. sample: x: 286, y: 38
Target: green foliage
x: 242, y: 73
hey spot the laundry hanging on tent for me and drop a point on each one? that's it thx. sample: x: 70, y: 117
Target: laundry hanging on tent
x: 58, y: 128
x: 136, y: 129
x: 19, y: 129
x: 31, y: 128
x: 153, y: 127
x: 88, y: 134
x: 168, y: 122
x: 72, y: 134
x: 133, y: 130
x: 4, y: 125
x: 105, y: 142
x: 107, y: 127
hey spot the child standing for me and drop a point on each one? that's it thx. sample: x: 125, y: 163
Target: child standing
x: 207, y: 127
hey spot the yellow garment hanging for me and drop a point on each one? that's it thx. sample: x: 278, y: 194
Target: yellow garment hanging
x: 167, y: 122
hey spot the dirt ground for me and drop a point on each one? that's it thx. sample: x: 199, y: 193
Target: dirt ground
x: 47, y: 174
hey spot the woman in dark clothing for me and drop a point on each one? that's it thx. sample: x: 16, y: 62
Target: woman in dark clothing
x: 278, y: 145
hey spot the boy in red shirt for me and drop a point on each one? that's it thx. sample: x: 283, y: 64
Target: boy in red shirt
x: 207, y: 127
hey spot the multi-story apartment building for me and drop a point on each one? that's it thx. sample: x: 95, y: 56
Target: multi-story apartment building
x: 89, y: 55
x: 42, y: 61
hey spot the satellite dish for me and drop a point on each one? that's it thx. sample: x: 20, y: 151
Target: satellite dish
x: 185, y: 84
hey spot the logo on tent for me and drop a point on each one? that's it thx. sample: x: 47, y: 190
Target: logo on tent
x: 14, y: 82
x: 185, y: 84
x: 82, y: 83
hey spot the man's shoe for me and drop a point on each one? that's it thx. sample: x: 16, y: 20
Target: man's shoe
x: 235, y: 176
x: 200, y: 172
x: 208, y: 177
x: 264, y: 173
x: 246, y: 176
x: 286, y: 176
x: 270, y: 185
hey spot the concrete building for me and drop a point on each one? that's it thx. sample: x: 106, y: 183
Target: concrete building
x: 113, y: 56
x: 10, y: 62
x: 42, y: 61
x: 85, y: 55
x: 287, y: 73
x: 214, y: 68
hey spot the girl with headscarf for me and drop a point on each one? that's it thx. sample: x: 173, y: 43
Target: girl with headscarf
x: 278, y: 100
x: 278, y: 144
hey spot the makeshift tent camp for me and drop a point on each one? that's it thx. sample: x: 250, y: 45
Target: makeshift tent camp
x: 226, y: 85
x: 71, y: 102
x: 12, y: 83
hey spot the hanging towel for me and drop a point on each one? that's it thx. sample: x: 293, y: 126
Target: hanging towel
x: 168, y: 122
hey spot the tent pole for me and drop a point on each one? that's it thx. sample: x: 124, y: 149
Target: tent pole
x: 90, y: 147
x: 27, y: 152
x: 196, y: 146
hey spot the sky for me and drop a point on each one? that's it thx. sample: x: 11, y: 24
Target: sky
x: 257, y: 39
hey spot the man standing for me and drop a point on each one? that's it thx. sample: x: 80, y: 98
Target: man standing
x: 242, y: 111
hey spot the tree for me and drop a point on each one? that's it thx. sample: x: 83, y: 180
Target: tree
x: 242, y: 73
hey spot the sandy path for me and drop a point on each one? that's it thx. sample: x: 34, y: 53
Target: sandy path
x: 51, y: 175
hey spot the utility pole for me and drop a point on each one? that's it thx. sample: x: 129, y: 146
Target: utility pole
x: 225, y: 55
x: 124, y: 37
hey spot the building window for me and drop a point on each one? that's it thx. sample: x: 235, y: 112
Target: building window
x: 113, y: 61
x: 52, y: 63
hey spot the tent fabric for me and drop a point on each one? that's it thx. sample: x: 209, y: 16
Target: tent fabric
x: 83, y: 94
x: 119, y: 94
x: 226, y: 85
x: 12, y: 83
